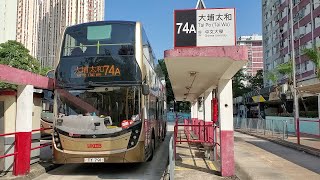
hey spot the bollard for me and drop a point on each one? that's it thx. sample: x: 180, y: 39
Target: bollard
x: 283, y: 130
x: 272, y: 127
x: 23, y: 129
x: 171, y: 158
x: 22, y: 158
x: 214, y: 143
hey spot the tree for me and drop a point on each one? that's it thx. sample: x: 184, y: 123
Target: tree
x: 45, y: 70
x: 286, y: 70
x: 14, y: 54
x: 239, y: 88
x: 273, y: 77
x: 256, y: 82
x: 314, y: 55
x: 163, y: 67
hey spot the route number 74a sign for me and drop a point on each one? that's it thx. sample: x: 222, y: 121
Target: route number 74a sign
x: 205, y: 27
x: 186, y: 28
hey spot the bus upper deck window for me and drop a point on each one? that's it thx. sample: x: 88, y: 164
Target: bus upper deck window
x: 99, y: 32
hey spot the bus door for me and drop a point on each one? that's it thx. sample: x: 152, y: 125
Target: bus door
x: 158, y: 121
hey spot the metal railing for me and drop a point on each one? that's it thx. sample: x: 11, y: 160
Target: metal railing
x: 17, y: 151
x: 312, y: 125
x: 262, y: 126
x: 196, y: 131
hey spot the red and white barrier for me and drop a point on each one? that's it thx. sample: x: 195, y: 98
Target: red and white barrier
x: 26, y: 82
x: 23, y: 130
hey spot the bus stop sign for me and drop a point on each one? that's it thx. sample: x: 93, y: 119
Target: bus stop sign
x: 204, y: 27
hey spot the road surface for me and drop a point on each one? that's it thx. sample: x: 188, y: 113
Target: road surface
x: 150, y: 170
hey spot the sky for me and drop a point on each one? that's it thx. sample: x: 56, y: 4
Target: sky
x: 157, y: 17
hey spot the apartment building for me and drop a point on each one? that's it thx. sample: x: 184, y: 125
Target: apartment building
x: 255, y: 53
x: 38, y: 24
x: 8, y: 14
x: 277, y: 39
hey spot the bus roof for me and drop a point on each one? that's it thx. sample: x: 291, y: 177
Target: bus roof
x: 104, y: 22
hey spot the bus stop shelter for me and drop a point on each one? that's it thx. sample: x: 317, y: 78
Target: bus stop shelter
x: 198, y: 73
x: 201, y: 65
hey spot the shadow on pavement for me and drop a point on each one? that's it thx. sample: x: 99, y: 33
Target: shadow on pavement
x: 307, y: 161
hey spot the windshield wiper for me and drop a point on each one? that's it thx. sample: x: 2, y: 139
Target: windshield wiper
x: 75, y: 86
x: 123, y: 83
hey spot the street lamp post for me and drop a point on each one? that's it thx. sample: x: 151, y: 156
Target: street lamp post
x: 295, y: 98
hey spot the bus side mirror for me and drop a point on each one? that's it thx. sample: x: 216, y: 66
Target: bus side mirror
x: 145, y: 89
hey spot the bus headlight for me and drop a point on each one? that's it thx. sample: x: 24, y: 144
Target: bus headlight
x: 135, y: 134
x: 56, y: 139
x: 59, y: 122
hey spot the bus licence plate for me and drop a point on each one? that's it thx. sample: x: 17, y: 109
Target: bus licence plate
x: 93, y: 160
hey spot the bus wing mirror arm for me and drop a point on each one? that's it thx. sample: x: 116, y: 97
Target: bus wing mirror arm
x: 145, y: 89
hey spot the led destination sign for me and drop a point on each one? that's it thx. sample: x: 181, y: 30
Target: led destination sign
x: 97, y: 71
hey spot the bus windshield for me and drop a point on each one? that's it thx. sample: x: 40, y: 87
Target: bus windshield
x: 116, y: 103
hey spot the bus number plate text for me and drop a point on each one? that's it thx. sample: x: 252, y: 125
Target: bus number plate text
x: 93, y: 160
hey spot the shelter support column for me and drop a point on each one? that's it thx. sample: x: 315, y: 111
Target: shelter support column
x: 319, y: 113
x: 226, y: 127
x: 23, y: 129
x: 195, y: 110
x: 207, y: 106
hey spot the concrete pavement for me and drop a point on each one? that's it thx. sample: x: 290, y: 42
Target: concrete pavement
x: 260, y: 159
x: 309, y: 144
x: 255, y: 159
x: 191, y: 164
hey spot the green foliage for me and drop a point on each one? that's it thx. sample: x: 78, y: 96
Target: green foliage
x: 162, y: 66
x: 14, y: 54
x: 238, y: 85
x: 45, y: 70
x: 181, y: 106
x: 256, y: 82
x: 309, y: 114
x: 273, y: 77
x: 314, y: 55
x: 285, y: 68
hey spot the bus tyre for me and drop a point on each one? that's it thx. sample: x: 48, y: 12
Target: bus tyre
x: 153, y: 143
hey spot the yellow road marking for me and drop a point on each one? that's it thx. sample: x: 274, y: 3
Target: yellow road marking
x: 182, y: 169
x: 211, y: 165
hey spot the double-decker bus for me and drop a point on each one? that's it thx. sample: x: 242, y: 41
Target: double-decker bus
x: 46, y: 120
x: 109, y: 103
